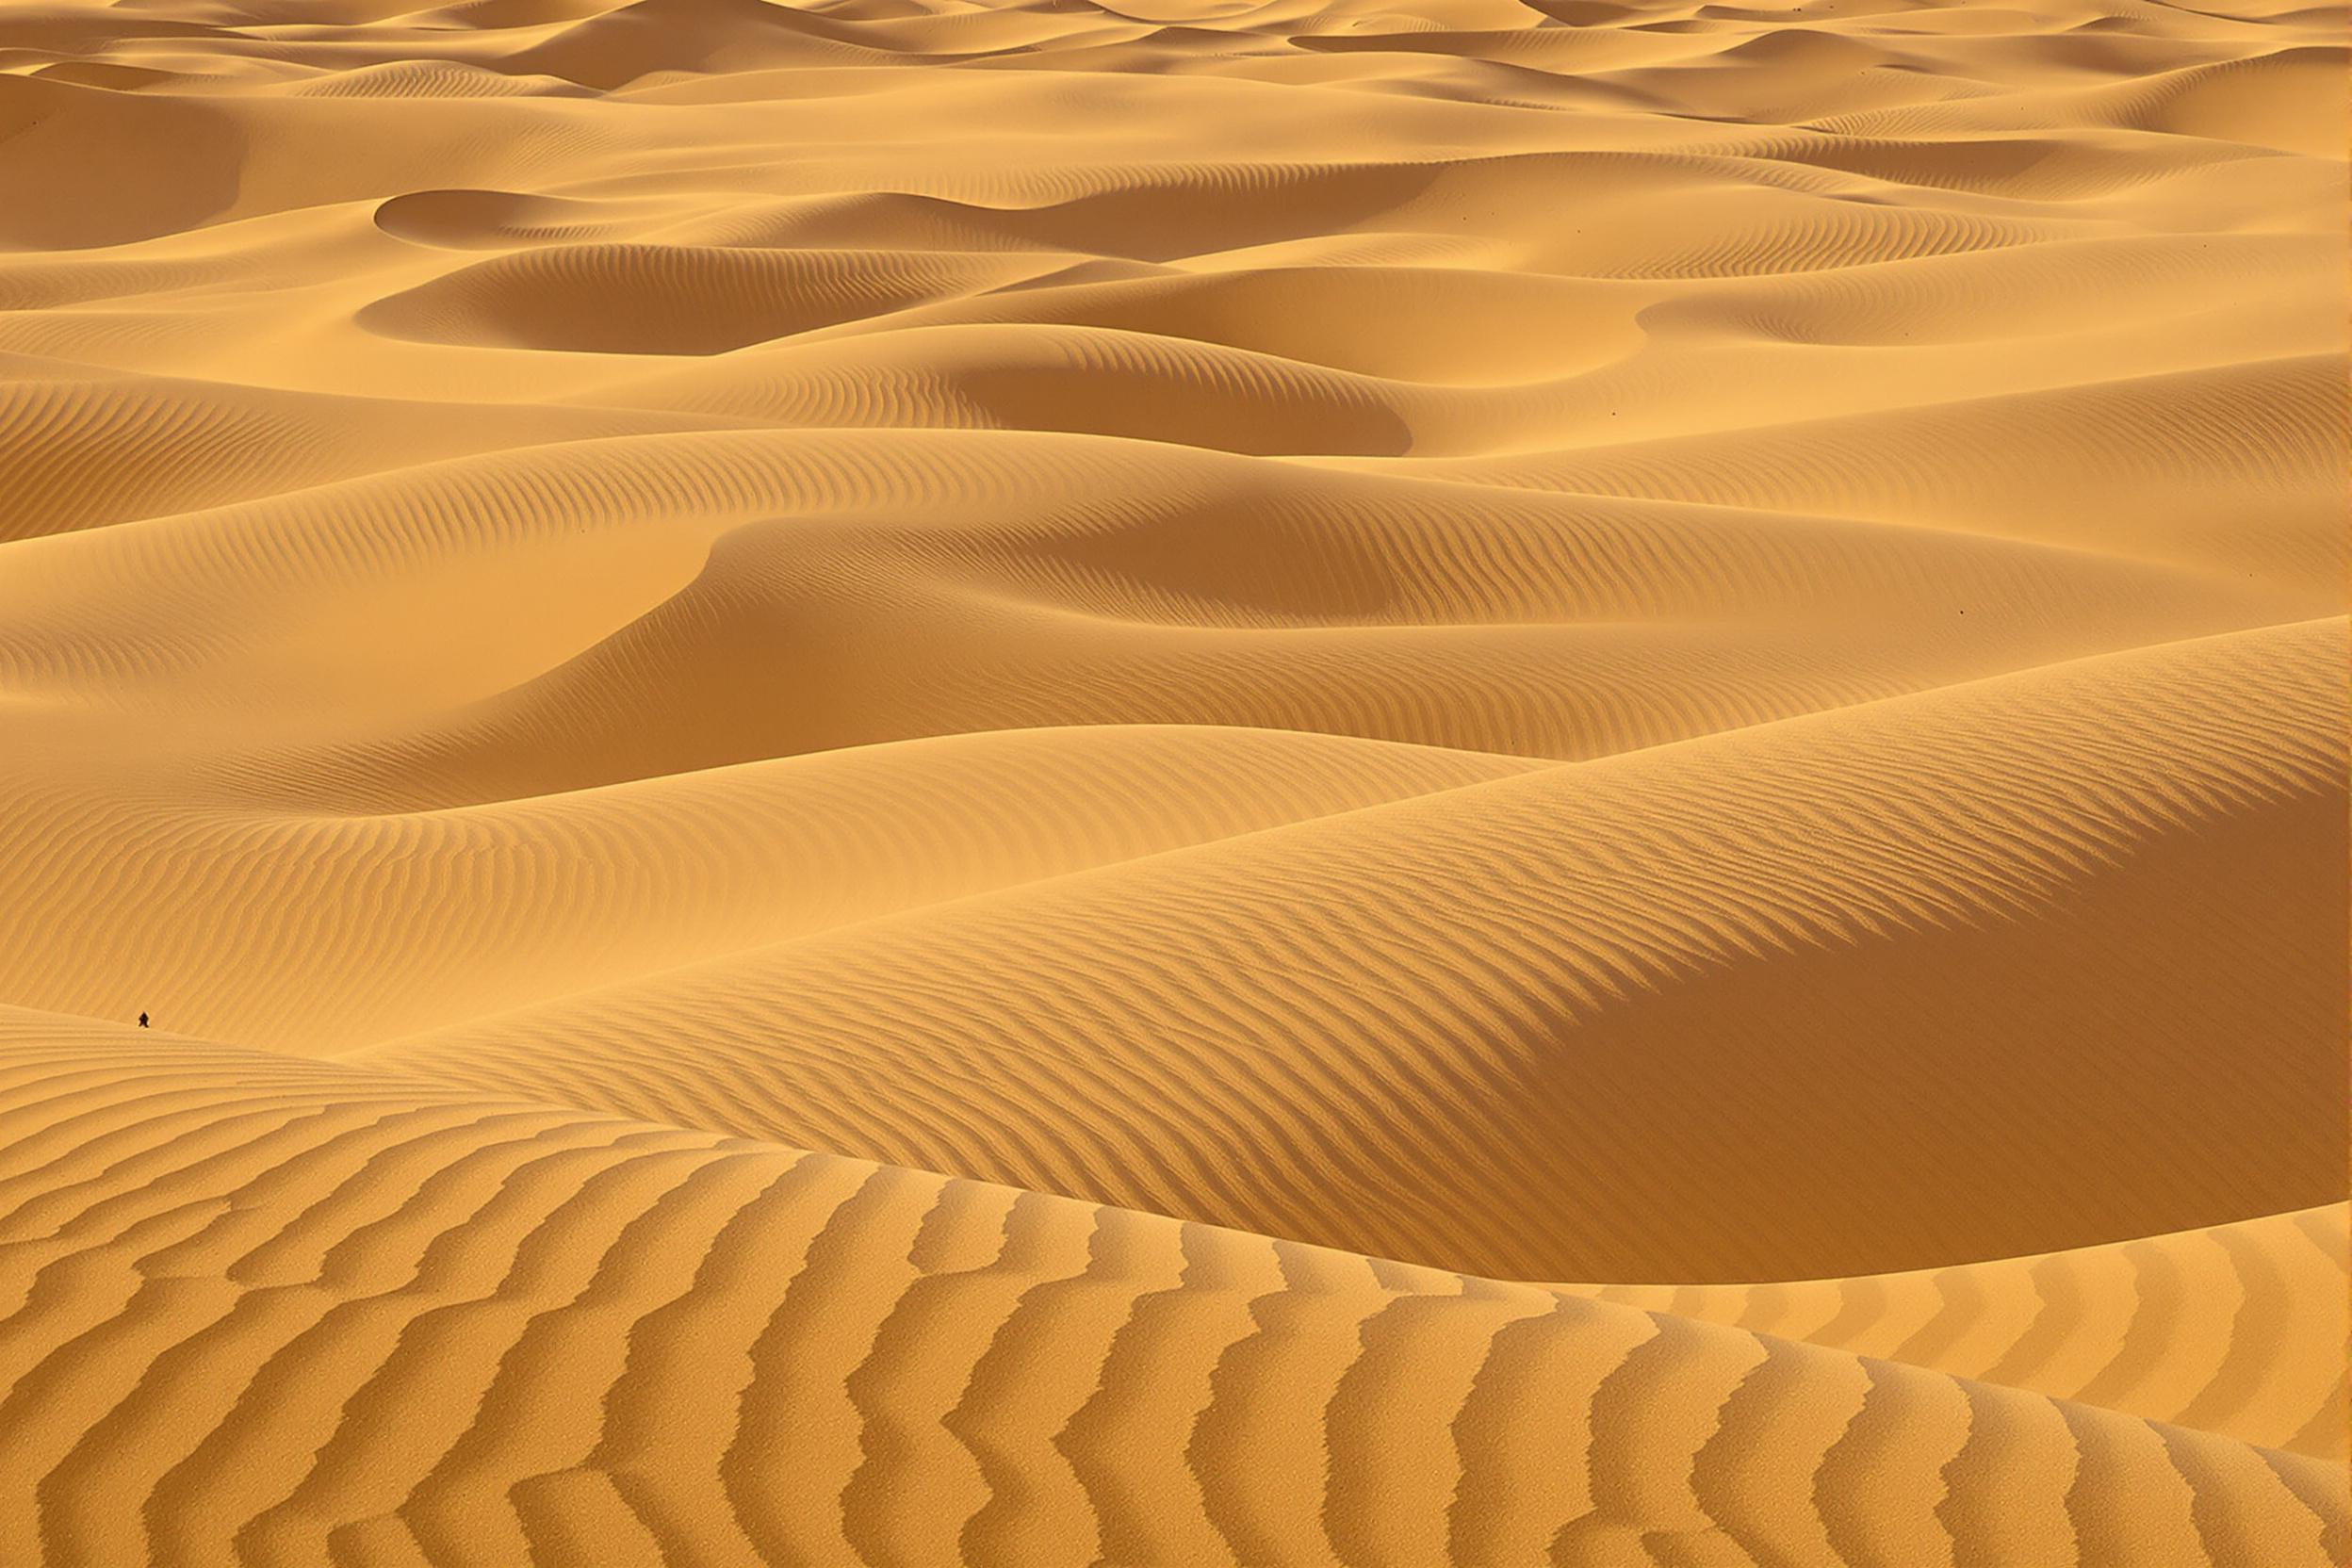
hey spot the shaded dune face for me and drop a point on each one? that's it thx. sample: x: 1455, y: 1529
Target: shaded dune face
x: 915, y: 782
x: 1522, y: 972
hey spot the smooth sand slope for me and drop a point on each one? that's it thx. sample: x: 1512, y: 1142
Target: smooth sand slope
x: 1644, y: 1018
x: 907, y: 781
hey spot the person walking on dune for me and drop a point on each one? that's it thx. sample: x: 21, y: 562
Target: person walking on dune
x: 143, y: 1020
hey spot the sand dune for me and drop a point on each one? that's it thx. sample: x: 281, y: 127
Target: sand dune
x: 2054, y: 932
x: 450, y: 914
x: 1172, y: 781
x: 606, y: 1339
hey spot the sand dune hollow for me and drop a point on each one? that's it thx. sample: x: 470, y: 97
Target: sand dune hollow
x: 911, y: 781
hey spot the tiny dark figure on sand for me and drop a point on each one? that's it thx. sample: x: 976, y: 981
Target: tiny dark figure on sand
x: 143, y: 1020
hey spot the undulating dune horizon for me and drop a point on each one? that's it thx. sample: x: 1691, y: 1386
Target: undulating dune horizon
x: 1173, y: 782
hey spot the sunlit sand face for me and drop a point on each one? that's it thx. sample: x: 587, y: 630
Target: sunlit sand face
x: 916, y: 782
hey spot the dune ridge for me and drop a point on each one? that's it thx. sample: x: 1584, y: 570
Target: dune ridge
x: 1173, y: 781
x: 1508, y: 969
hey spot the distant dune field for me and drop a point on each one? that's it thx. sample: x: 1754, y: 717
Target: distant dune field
x: 907, y: 782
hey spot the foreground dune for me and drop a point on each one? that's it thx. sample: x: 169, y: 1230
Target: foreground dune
x: 916, y: 781
x: 2234, y: 1329
x: 289, y: 1312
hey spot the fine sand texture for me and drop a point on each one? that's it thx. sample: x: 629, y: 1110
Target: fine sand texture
x: 1173, y: 782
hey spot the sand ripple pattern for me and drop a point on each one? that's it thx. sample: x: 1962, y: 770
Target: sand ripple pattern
x: 1167, y: 782
x: 621, y: 1343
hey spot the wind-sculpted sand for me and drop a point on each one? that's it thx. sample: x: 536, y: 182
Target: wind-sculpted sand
x: 909, y: 782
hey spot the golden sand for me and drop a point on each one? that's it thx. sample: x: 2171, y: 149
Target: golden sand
x: 915, y: 782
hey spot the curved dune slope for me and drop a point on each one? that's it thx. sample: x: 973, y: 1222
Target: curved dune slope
x: 1672, y: 1014
x: 284, y: 1311
x: 82, y: 450
x: 400, y: 920
x: 2236, y: 1328
x: 1173, y: 782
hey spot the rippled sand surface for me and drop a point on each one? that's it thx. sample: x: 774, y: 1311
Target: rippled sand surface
x: 1376, y: 783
